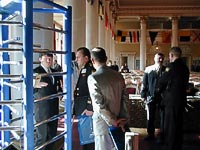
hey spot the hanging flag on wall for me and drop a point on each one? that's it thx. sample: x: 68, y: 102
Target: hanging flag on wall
x: 106, y: 20
x: 184, y: 36
x: 121, y: 36
x: 195, y: 36
x: 152, y: 36
x: 134, y: 36
x: 166, y: 36
x: 127, y: 36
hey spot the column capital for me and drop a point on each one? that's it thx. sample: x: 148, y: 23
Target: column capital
x: 91, y: 2
x: 174, y: 18
x: 143, y: 19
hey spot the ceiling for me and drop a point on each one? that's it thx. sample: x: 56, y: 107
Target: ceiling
x: 187, y: 10
x: 160, y: 11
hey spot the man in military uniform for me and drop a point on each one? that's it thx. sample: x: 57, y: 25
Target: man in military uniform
x: 173, y: 85
x: 82, y: 101
x: 150, y: 95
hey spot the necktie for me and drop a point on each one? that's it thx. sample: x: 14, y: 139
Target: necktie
x: 159, y: 71
x: 51, y: 77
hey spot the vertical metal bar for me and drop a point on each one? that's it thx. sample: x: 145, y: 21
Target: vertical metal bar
x: 27, y: 14
x: 1, y: 94
x: 5, y: 89
x: 67, y: 44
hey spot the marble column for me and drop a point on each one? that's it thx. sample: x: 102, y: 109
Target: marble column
x: 112, y: 41
x: 174, y: 41
x: 101, y: 28
x: 78, y: 23
x: 101, y: 32
x: 107, y: 30
x: 143, y: 42
x: 91, y: 24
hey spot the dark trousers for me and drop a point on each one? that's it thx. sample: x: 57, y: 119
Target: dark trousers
x: 162, y: 117
x: 46, y: 132
x: 88, y: 146
x: 173, y: 125
x: 151, y: 111
x: 151, y: 115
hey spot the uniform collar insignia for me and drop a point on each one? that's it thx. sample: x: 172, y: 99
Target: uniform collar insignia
x: 83, y: 70
x: 167, y: 69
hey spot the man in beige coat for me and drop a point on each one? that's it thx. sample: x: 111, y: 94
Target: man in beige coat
x: 109, y: 99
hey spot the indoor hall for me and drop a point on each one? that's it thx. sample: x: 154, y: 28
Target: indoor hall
x: 130, y: 31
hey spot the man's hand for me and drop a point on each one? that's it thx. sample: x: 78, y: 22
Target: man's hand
x: 37, y: 83
x: 87, y: 112
x: 40, y: 85
x: 121, y: 122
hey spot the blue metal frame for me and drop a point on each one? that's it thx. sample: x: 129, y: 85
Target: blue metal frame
x: 68, y: 84
x: 27, y: 11
x: 5, y: 89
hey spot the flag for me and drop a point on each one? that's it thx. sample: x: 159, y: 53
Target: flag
x: 106, y: 20
x: 127, y: 36
x: 184, y: 36
x: 134, y: 36
x: 152, y: 36
x: 195, y: 36
x: 128, y: 40
x: 121, y: 36
x: 124, y: 33
x: 166, y: 36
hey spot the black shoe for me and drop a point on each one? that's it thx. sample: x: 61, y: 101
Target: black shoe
x: 149, y: 138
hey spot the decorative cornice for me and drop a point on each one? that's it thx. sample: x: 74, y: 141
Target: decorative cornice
x: 159, y: 11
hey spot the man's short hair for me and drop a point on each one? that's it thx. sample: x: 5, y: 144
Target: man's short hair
x: 161, y: 54
x: 176, y: 51
x: 73, y: 56
x: 99, y: 54
x: 85, y: 51
x: 46, y: 53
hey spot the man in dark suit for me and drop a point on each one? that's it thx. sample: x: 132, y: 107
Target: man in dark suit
x: 47, y: 108
x: 150, y: 95
x: 173, y: 84
x: 82, y: 100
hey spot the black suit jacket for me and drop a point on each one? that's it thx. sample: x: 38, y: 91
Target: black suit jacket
x: 82, y: 98
x: 149, y: 83
x: 173, y: 84
x: 46, y: 108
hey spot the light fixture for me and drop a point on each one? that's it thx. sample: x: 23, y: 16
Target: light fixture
x: 155, y: 48
x: 156, y: 45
